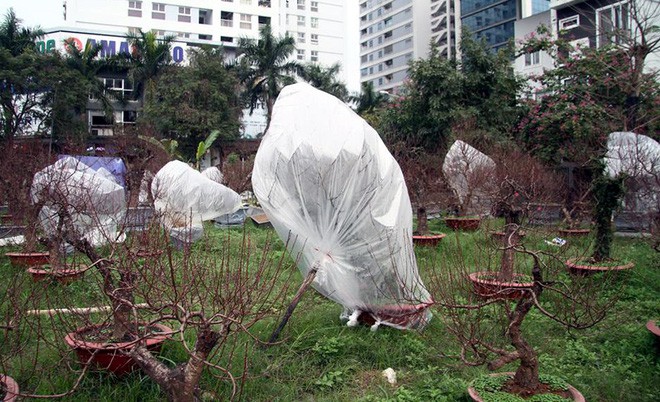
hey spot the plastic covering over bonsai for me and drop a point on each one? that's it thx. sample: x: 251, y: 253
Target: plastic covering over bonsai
x: 638, y: 157
x: 184, y: 198
x: 91, y: 200
x: 468, y: 172
x: 338, y: 199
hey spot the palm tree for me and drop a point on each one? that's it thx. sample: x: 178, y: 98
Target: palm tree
x: 325, y: 79
x: 367, y: 99
x: 264, y: 68
x: 16, y: 38
x: 149, y: 55
x: 87, y: 63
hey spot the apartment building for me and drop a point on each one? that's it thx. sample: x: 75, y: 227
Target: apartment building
x: 392, y: 32
x: 319, y: 27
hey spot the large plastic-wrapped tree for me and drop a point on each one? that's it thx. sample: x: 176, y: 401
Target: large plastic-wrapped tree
x: 338, y: 198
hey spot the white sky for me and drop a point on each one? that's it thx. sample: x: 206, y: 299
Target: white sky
x: 48, y: 14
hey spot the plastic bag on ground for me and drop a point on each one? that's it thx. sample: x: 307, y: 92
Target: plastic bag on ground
x: 184, y: 198
x: 338, y: 199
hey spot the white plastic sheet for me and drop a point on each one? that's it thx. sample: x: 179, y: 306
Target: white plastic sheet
x: 338, y: 198
x: 214, y: 174
x: 183, y: 198
x: 94, y: 203
x: 468, y: 172
x: 637, y: 156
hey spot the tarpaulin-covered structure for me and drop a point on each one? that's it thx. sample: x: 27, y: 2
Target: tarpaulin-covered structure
x: 113, y: 165
x: 469, y: 173
x: 82, y: 198
x: 338, y: 199
x: 638, y: 157
x: 184, y: 198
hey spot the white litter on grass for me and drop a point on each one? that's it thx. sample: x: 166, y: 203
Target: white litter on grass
x: 557, y: 241
x: 390, y: 374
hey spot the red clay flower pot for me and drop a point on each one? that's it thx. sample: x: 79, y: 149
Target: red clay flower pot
x: 577, y: 267
x: 428, y: 240
x: 574, y: 232
x: 575, y: 395
x: 28, y: 259
x: 463, y: 223
x: 11, y: 388
x: 62, y: 275
x: 489, y: 288
x: 112, y: 356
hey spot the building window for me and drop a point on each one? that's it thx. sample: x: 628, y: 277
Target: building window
x: 314, y: 6
x: 184, y: 14
x: 569, y: 23
x: 204, y: 17
x: 135, y: 9
x: 226, y: 19
x: 532, y: 59
x: 158, y: 11
x: 314, y: 39
x: 315, y: 55
x: 315, y: 22
x: 183, y: 35
x: 226, y: 39
x: 246, y: 21
x: 205, y: 37
x: 301, y: 20
x: 246, y: 2
x: 301, y: 4
x: 613, y: 24
x: 301, y: 37
x: 300, y: 54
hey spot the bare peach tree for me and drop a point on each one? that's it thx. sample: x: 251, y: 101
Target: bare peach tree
x: 486, y: 317
x: 207, y: 296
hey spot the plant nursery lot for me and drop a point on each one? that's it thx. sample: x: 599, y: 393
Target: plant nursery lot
x: 318, y: 358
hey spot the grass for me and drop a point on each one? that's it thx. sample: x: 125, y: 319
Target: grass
x: 320, y: 359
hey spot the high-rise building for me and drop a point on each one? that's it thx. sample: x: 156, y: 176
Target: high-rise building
x: 319, y: 27
x: 393, y: 32
x: 490, y: 19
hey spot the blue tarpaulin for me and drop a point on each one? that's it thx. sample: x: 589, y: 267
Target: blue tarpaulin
x: 114, y: 165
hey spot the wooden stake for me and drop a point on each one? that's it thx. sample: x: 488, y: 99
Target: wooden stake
x: 289, y: 311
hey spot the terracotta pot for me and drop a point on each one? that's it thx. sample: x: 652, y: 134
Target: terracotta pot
x: 576, y: 396
x: 465, y: 224
x: 63, y: 275
x: 491, y: 288
x: 428, y: 240
x: 112, y: 356
x: 574, y: 232
x: 578, y: 268
x: 11, y: 386
x: 500, y: 236
x: 28, y: 259
x: 404, y: 315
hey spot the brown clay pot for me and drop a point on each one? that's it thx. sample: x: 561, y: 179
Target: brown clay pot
x: 111, y: 356
x: 578, y: 268
x: 11, y: 387
x: 28, y: 259
x: 404, y: 315
x: 574, y: 232
x: 63, y: 275
x: 467, y: 224
x: 428, y: 240
x: 491, y: 288
x: 575, y: 394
